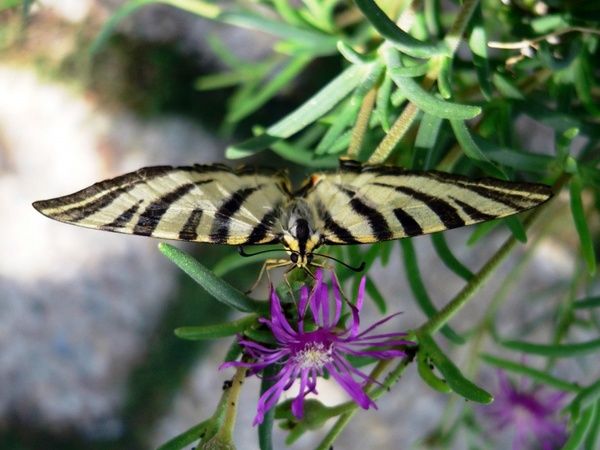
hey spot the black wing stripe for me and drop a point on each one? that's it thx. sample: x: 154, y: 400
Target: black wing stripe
x: 220, y: 230
x: 343, y: 234
x: 266, y: 224
x: 123, y: 219
x: 377, y: 222
x: 379, y: 226
x: 79, y: 213
x: 514, y: 200
x: 150, y: 217
x: 410, y: 225
x: 473, y: 213
x: 104, y: 193
x: 445, y: 211
x: 189, y: 230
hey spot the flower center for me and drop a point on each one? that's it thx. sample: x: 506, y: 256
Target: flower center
x: 313, y: 356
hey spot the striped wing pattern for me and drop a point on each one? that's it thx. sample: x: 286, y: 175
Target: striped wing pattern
x: 211, y: 203
x: 368, y: 204
x: 354, y: 205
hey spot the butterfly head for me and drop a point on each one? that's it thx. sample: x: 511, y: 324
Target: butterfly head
x: 299, y: 238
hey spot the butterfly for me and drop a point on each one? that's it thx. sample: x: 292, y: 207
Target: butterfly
x: 356, y: 204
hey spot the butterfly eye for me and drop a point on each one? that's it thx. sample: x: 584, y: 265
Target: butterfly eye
x: 309, y: 258
x: 294, y: 257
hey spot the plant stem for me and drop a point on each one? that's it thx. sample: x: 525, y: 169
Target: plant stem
x: 362, y: 123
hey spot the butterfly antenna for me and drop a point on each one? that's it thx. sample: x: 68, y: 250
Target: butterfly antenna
x: 243, y: 253
x: 355, y: 269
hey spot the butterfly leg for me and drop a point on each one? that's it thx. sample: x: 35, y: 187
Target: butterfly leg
x: 267, y: 266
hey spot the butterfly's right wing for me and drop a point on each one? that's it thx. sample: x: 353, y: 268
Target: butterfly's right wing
x: 366, y: 204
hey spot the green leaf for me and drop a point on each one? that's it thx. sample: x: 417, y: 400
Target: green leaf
x: 583, y: 399
x: 535, y: 374
x: 507, y: 87
x: 348, y: 112
x: 446, y: 255
x: 306, y: 158
x: 300, y: 150
x: 351, y: 55
x: 425, y: 143
x: 214, y: 285
x: 455, y: 379
x: 216, y: 331
x: 555, y: 350
x: 444, y: 81
x: 478, y: 45
x: 313, y: 109
x: 375, y: 295
x: 188, y: 437
x: 516, y: 227
x: 563, y: 144
x: 481, y: 230
x: 557, y: 120
x: 508, y: 157
x: 385, y: 252
x: 288, y: 13
x: 317, y: 42
x: 341, y: 124
x: 517, y: 160
x: 423, y: 99
x: 243, y: 108
x: 397, y: 37
x: 548, y: 23
x: 426, y: 373
x: 413, y: 71
x: 472, y: 150
x: 233, y: 262
x: 590, y: 302
x: 579, y: 217
x: 593, y: 431
x: 418, y: 288
x: 382, y: 103
x: 580, y: 430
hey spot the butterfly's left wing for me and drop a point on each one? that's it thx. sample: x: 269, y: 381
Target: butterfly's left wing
x: 365, y: 204
x: 201, y: 203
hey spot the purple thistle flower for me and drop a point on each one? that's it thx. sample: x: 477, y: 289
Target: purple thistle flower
x: 317, y: 345
x: 534, y: 414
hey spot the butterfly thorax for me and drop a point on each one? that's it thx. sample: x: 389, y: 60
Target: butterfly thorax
x: 299, y: 235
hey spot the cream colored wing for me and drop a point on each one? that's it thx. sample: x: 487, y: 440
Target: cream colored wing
x: 210, y: 203
x: 364, y: 204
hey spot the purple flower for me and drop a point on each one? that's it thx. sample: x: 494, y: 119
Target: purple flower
x: 533, y: 412
x: 317, y: 343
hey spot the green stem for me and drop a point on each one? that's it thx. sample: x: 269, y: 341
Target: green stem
x: 362, y: 123
x: 223, y: 439
x: 397, y: 131
x: 457, y: 30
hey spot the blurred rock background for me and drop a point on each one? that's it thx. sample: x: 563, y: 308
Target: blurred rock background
x: 87, y: 354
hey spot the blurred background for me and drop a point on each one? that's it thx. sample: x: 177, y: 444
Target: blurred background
x: 88, y: 358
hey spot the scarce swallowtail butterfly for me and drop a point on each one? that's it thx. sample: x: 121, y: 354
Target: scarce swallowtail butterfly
x: 356, y: 204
